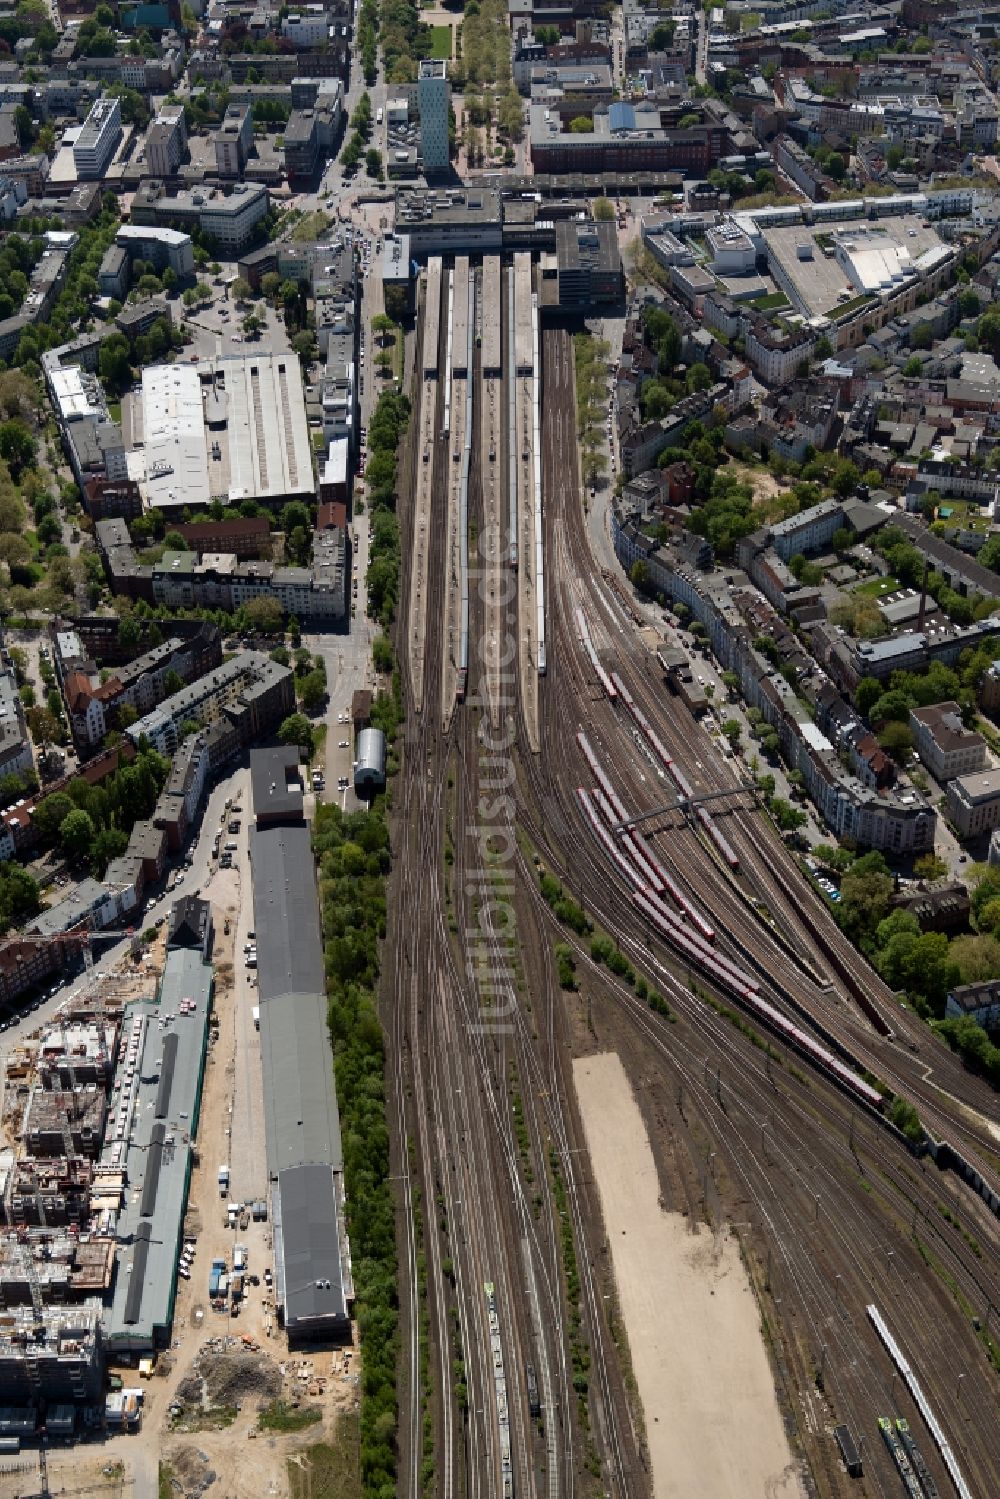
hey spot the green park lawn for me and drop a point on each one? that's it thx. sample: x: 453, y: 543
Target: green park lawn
x: 441, y: 43
x: 876, y: 587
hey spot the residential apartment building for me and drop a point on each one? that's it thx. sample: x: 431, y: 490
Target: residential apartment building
x: 98, y: 140
x: 27, y: 961
x: 94, y: 700
x: 809, y: 531
x: 974, y: 802
x: 946, y: 747
x: 250, y: 693
x: 980, y: 1002
x: 874, y: 815
x: 306, y: 28
x: 15, y: 745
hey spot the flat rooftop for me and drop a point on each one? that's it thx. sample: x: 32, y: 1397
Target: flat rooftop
x: 233, y: 428
x: 153, y: 1118
x: 286, y: 908
x: 276, y: 782
x: 817, y: 281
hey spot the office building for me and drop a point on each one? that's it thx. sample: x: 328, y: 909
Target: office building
x: 98, y: 140
x: 433, y: 101
x: 166, y: 141
x: 301, y: 145
x: 234, y: 140
x: 161, y: 248
x: 229, y: 219
x: 588, y: 263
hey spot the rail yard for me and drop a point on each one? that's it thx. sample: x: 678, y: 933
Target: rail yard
x: 560, y: 793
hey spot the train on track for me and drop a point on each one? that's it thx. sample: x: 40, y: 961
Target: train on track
x: 531, y: 1384
x: 924, y: 1476
x: 648, y: 882
x: 889, y: 1436
x: 500, y: 1380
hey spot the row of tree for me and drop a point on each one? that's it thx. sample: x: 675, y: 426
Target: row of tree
x: 92, y: 823
x: 354, y: 859
x: 385, y: 431
x: 590, y: 365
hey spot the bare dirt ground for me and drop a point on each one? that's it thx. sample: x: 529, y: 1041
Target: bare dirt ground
x: 766, y: 488
x: 713, y: 1425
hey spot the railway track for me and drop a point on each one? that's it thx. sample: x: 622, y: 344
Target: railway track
x: 569, y: 685
x: 832, y: 1212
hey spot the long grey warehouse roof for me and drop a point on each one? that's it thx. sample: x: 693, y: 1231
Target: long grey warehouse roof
x: 300, y: 1100
x: 164, y: 1052
x: 307, y: 1229
x: 286, y: 913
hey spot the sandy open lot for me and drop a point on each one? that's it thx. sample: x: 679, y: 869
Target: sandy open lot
x: 712, y: 1419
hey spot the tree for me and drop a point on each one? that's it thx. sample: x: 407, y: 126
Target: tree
x: 270, y: 284
x: 313, y: 691
x: 17, y: 447
x: 581, y: 125
x: 968, y: 303
x: 731, y: 729
x: 929, y: 867
x: 865, y: 893
x: 174, y: 542
x: 77, y: 834
x: 604, y: 210
x: 382, y: 653
x: 897, y: 741
x: 50, y: 814
x: 294, y: 514
x: 49, y: 530
x: 296, y: 729
x: 913, y: 366
x: 867, y: 694
x: 242, y: 291
x: 373, y: 162
x: 173, y: 682
x: 115, y: 363
x: 43, y: 724
x: 264, y: 615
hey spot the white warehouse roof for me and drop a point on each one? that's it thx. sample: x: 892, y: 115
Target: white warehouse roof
x: 174, y: 435
x: 258, y: 441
